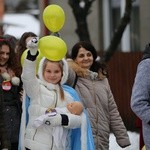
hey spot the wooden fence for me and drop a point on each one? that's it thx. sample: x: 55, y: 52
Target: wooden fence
x: 122, y: 69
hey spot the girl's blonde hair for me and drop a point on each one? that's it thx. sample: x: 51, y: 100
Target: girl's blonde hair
x: 60, y: 63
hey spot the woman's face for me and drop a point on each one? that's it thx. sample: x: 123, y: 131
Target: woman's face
x: 52, y: 72
x: 84, y: 58
x: 4, y: 55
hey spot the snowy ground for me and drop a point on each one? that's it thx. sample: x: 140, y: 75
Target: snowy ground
x: 134, y: 139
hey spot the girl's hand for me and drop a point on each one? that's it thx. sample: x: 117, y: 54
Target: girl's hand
x: 32, y: 45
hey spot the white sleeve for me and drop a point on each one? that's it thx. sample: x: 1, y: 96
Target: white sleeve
x: 30, y: 81
x: 75, y: 121
x: 79, y: 121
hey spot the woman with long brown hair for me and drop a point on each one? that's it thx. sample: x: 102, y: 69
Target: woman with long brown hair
x: 11, y: 86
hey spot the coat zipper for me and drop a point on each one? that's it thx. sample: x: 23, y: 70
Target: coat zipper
x: 55, y: 106
x: 34, y: 134
x: 56, y: 98
x: 52, y: 142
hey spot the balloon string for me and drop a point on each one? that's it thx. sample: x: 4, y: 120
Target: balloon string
x: 56, y: 34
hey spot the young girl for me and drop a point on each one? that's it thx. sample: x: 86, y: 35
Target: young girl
x: 46, y: 92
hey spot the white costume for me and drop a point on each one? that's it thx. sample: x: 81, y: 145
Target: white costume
x: 59, y: 133
x: 42, y: 96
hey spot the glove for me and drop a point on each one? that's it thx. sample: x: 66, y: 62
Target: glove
x: 32, y: 45
x: 53, y: 120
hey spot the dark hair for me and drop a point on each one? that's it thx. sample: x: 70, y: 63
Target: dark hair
x: 88, y: 46
x: 21, y: 45
x: 12, y: 62
x: 13, y: 40
x: 98, y: 65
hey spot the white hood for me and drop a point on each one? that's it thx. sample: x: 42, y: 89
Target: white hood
x: 65, y: 71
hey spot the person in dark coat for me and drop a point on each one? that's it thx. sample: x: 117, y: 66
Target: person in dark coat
x: 11, y: 87
x: 4, y: 142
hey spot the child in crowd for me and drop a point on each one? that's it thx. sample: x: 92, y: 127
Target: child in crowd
x: 47, y: 91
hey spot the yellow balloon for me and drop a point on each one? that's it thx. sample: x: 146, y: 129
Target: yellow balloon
x: 52, y: 47
x: 39, y: 57
x: 144, y: 148
x: 53, y: 17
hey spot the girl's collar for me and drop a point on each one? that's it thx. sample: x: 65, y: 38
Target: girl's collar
x: 49, y: 86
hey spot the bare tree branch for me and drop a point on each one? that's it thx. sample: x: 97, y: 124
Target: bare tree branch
x: 118, y: 33
x: 81, y: 9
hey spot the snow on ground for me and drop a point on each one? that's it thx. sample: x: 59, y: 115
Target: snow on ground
x: 134, y: 139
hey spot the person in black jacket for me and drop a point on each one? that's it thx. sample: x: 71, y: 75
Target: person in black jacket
x: 4, y: 142
x: 11, y: 87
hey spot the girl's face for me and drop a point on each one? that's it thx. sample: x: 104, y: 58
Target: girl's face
x: 84, y: 58
x: 52, y: 72
x: 4, y: 55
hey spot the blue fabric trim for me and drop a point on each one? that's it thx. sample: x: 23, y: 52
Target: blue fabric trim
x: 27, y: 103
x: 76, y: 133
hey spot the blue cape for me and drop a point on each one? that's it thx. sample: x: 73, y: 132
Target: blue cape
x: 76, y: 133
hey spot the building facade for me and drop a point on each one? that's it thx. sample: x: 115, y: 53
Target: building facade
x: 104, y: 19
x: 102, y: 22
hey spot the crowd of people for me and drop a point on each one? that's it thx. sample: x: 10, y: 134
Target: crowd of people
x: 39, y: 108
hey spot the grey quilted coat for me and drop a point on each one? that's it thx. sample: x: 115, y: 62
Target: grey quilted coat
x: 140, y: 99
x: 99, y: 102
